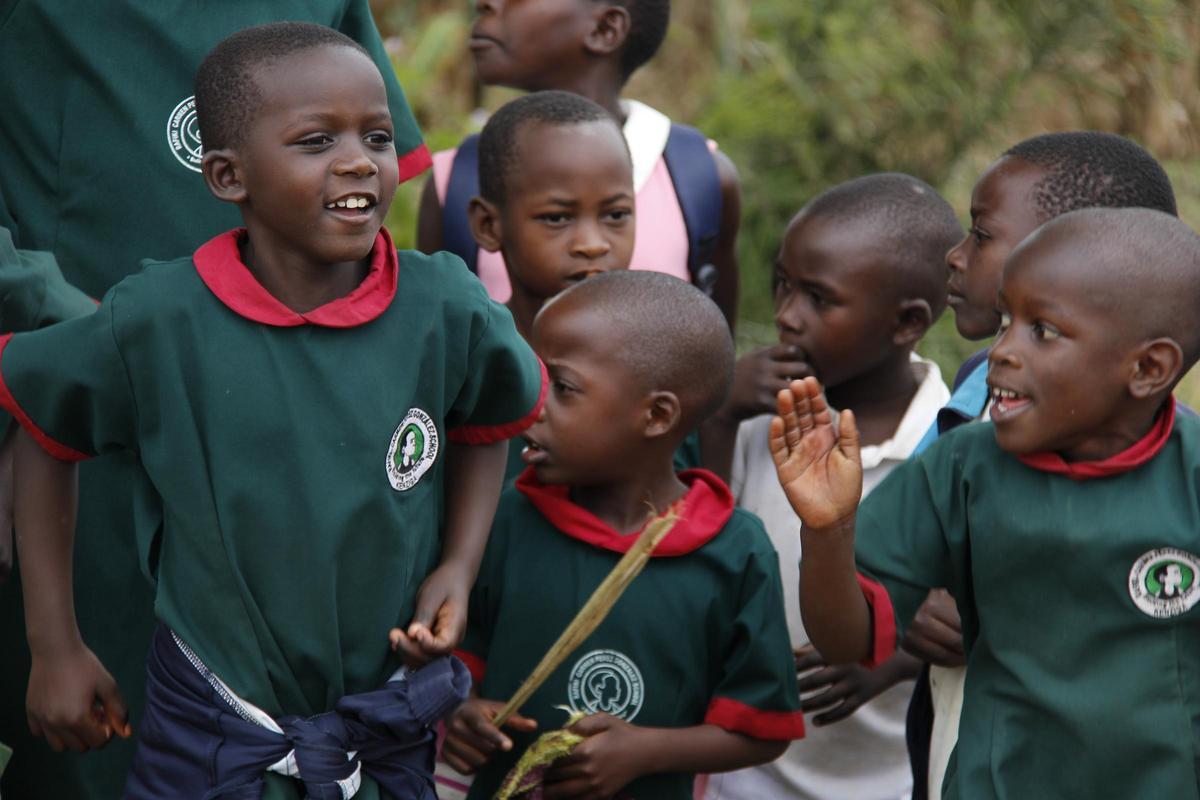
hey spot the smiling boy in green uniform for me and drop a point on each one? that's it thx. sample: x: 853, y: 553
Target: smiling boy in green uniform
x: 101, y: 168
x: 1047, y: 526
x: 276, y: 362
x: 691, y: 671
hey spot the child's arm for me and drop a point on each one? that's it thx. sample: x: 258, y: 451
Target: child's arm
x: 821, y: 474
x: 474, y: 476
x: 71, y: 700
x: 615, y: 753
x: 725, y: 293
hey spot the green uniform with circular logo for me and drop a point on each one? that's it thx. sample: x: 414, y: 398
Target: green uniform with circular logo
x: 98, y: 170
x: 292, y: 466
x: 699, y: 636
x: 1078, y: 613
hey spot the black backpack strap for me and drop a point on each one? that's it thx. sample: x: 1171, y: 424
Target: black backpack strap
x: 698, y: 187
x: 463, y: 185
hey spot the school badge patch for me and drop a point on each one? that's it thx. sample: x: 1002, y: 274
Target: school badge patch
x: 605, y: 680
x: 183, y: 134
x: 413, y: 450
x: 1163, y: 582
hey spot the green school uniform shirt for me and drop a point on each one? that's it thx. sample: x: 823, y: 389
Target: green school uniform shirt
x: 298, y: 458
x: 1083, y: 674
x: 698, y: 637
x: 99, y: 170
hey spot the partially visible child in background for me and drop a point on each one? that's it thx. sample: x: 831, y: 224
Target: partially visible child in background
x: 691, y: 671
x: 1033, y: 182
x: 1049, y: 525
x: 688, y: 197
x: 859, y: 279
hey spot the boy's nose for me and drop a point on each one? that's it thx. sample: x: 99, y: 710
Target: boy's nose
x: 589, y: 243
x: 355, y: 162
x: 956, y: 258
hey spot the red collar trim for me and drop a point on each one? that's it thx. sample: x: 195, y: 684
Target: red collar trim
x: 703, y: 512
x: 1128, y: 459
x: 219, y: 263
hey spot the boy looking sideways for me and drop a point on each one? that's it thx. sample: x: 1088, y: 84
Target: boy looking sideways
x: 268, y: 385
x: 1047, y: 525
x: 1033, y: 182
x: 691, y: 671
x: 859, y: 279
x: 591, y: 49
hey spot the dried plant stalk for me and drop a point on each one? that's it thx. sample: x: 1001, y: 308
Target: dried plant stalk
x: 594, y: 610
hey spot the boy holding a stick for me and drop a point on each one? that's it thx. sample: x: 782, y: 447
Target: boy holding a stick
x: 691, y: 670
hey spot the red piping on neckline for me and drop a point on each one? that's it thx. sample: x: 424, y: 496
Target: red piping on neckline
x: 703, y: 512
x: 414, y: 162
x: 219, y: 264
x: 55, y: 448
x: 1127, y: 460
x: 489, y: 434
x: 883, y: 621
x: 741, y: 718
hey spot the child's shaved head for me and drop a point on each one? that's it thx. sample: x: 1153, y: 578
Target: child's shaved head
x: 1086, y: 169
x: 226, y: 92
x: 668, y: 334
x: 910, y: 222
x: 1141, y: 267
x: 500, y: 139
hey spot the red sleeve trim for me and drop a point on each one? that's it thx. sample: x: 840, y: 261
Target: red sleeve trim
x: 9, y: 404
x: 414, y: 162
x: 490, y: 434
x: 741, y: 718
x: 883, y: 621
x: 475, y: 665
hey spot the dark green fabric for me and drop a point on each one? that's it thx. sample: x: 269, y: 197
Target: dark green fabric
x: 706, y: 624
x: 87, y: 176
x: 33, y: 291
x: 1071, y: 690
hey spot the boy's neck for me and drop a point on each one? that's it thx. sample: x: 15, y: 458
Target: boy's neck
x: 298, y: 283
x: 627, y: 505
x: 598, y: 85
x: 879, y: 398
x: 524, y: 307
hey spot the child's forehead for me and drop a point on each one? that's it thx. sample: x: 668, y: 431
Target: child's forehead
x: 317, y: 74
x: 836, y: 244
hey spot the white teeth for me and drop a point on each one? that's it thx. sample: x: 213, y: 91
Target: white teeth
x: 350, y: 202
x: 1004, y: 394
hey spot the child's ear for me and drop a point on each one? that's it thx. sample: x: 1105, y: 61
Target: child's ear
x: 1156, y: 368
x: 662, y: 414
x: 485, y: 224
x: 223, y: 174
x: 609, y: 33
x: 913, y: 318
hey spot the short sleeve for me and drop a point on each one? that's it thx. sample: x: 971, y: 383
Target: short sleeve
x: 504, y: 384
x: 67, y: 386
x: 756, y: 694
x: 33, y: 291
x: 909, y: 535
x: 411, y: 151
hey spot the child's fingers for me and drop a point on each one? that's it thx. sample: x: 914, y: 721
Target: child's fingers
x: 116, y: 715
x: 848, y: 435
x: 519, y: 723
x: 462, y: 755
x: 410, y: 651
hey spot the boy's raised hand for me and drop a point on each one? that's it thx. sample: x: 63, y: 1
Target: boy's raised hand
x: 471, y: 738
x: 74, y: 702
x: 818, y: 467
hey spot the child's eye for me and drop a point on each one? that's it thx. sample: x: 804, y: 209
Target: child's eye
x: 1045, y: 332
x: 553, y: 218
x: 819, y: 300
x: 562, y: 388
x: 978, y: 235
x: 379, y: 138
x: 1005, y: 321
x: 620, y: 214
x: 315, y: 140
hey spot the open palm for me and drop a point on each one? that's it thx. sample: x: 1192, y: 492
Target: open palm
x: 818, y: 466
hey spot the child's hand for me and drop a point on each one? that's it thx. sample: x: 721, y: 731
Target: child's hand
x: 471, y: 738
x: 609, y: 759
x: 935, y: 634
x: 840, y: 690
x: 440, y: 618
x: 818, y: 466
x: 759, y: 376
x: 73, y: 702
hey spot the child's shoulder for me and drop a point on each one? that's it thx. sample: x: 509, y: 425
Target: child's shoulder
x: 442, y: 273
